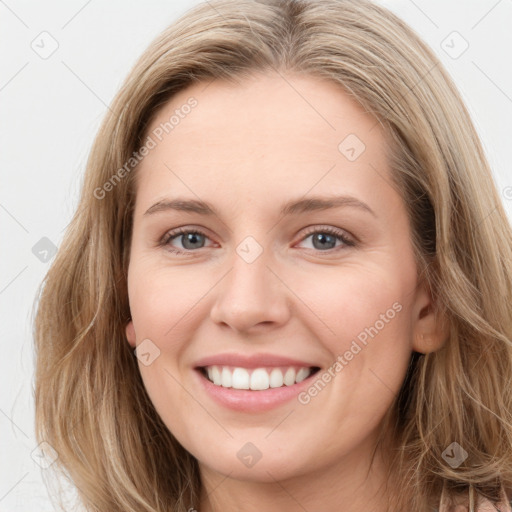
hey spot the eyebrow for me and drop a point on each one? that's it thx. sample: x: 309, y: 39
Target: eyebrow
x: 293, y: 207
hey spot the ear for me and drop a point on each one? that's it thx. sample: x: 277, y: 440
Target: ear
x: 430, y: 329
x: 130, y: 333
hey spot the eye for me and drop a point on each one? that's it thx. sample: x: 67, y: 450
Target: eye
x: 325, y: 238
x: 190, y: 239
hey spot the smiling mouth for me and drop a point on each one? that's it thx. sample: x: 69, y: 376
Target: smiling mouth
x: 256, y: 379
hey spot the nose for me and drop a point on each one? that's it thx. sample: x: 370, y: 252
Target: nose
x: 251, y: 297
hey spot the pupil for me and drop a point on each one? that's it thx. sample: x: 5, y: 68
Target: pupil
x: 322, y: 238
x: 192, y: 238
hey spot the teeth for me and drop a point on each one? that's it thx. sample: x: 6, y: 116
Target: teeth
x: 216, y: 376
x: 257, y: 379
x: 260, y: 379
x: 276, y: 378
x: 289, y: 377
x: 240, y: 378
x: 225, y: 377
x: 302, y: 374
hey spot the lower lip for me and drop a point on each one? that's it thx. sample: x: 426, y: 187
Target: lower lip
x: 253, y: 401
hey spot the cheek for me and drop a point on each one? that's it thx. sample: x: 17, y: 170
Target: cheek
x: 163, y: 304
x: 365, y: 321
x: 164, y: 301
x: 351, y: 300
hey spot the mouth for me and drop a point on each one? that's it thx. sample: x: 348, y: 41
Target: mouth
x: 256, y: 379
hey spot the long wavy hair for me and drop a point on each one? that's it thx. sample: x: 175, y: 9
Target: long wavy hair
x: 91, y: 404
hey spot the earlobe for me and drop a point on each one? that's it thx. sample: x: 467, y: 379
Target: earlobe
x: 431, y: 330
x: 130, y: 334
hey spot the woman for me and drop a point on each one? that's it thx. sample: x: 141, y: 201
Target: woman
x: 265, y: 369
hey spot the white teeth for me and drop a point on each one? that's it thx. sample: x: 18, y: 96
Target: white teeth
x: 240, y: 379
x: 216, y: 375
x: 260, y: 379
x: 276, y: 378
x: 302, y: 374
x: 289, y: 377
x: 225, y: 376
x: 257, y: 379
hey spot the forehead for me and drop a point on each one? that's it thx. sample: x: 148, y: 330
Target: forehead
x: 267, y: 132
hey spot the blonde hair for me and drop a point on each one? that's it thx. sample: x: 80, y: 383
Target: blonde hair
x: 91, y: 404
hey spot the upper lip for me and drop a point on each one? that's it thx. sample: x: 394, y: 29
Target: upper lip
x: 251, y: 361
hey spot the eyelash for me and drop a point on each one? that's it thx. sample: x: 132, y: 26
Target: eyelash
x: 338, y: 234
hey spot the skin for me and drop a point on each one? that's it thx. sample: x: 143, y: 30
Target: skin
x: 247, y: 149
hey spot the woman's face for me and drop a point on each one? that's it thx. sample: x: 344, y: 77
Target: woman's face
x: 276, y: 281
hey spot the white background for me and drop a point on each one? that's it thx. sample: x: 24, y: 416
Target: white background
x: 51, y: 108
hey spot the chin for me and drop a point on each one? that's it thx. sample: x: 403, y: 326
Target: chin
x: 266, y: 469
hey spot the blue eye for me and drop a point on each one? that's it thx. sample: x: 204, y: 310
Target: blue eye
x: 322, y: 240
x: 328, y: 236
x: 189, y: 239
